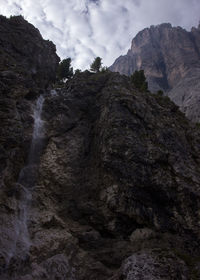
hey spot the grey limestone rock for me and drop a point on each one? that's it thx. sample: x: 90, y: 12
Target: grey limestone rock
x: 170, y: 58
x: 153, y: 265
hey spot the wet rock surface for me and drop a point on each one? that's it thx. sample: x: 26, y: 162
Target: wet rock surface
x: 119, y: 177
x: 27, y: 67
x: 170, y: 58
x: 116, y: 191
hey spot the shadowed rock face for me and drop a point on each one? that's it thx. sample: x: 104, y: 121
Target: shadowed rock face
x: 22, y: 48
x: 118, y: 186
x: 117, y: 190
x: 27, y: 67
x: 170, y: 57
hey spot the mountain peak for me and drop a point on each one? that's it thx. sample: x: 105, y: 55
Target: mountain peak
x: 162, y: 25
x: 170, y: 57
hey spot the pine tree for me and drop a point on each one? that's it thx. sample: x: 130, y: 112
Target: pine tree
x: 139, y: 80
x: 96, y: 65
x: 65, y: 71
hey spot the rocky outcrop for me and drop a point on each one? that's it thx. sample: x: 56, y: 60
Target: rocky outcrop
x: 170, y: 57
x: 155, y: 265
x: 27, y: 67
x: 113, y: 193
x: 118, y: 188
x: 23, y: 51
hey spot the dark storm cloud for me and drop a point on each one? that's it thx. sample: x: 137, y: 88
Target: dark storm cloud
x: 83, y: 29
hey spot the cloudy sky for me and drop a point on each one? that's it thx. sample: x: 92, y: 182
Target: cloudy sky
x: 84, y: 29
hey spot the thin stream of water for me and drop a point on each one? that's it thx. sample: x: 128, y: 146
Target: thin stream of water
x: 26, y: 182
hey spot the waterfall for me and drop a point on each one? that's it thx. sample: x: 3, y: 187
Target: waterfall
x: 53, y: 92
x: 27, y: 177
x: 38, y: 133
x: 26, y: 182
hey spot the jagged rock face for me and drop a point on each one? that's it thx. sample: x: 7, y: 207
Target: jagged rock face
x: 22, y: 49
x: 115, y: 192
x: 27, y: 67
x: 155, y: 265
x: 118, y: 187
x: 170, y: 57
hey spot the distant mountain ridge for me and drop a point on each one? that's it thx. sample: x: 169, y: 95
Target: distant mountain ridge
x: 170, y: 57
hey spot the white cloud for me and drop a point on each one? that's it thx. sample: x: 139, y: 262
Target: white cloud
x: 83, y: 29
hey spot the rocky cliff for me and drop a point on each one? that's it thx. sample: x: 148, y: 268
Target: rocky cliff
x: 27, y: 67
x: 23, y: 50
x: 170, y: 57
x: 98, y: 181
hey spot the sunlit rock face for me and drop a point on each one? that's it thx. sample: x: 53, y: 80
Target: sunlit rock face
x: 170, y: 57
x: 108, y: 179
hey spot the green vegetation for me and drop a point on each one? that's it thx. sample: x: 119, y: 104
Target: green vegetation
x: 164, y: 100
x: 139, y: 80
x: 65, y: 71
x: 105, y: 69
x: 77, y: 71
x: 160, y: 92
x: 197, y: 125
x: 96, y: 65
